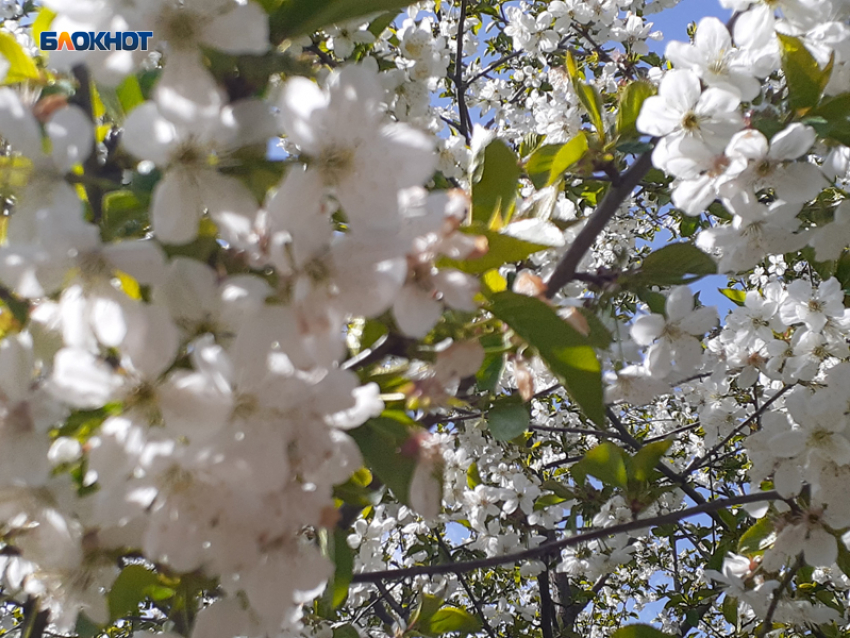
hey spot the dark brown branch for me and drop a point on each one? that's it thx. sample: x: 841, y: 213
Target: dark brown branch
x: 777, y: 596
x: 460, y: 85
x: 392, y: 602
x: 551, y: 548
x: 566, y: 269
x: 547, y: 618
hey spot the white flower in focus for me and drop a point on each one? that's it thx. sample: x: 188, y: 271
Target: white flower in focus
x: 191, y: 184
x: 713, y: 58
x: 756, y: 164
x: 683, y: 108
x: 672, y: 340
x: 349, y: 147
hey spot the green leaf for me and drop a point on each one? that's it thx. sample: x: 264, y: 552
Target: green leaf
x: 639, y: 631
x: 757, y: 538
x: 86, y: 628
x: 735, y: 296
x: 558, y: 488
x: 425, y: 610
x: 501, y: 249
x: 655, y: 300
x: 843, y: 560
x: 599, y: 336
x: 548, y: 500
x: 836, y: 112
x: 508, y: 421
x: 453, y: 619
x: 647, y: 458
x: 129, y: 590
x: 473, y: 478
x: 530, y: 143
x: 567, y: 352
x: 129, y: 93
x: 124, y: 216
x: 548, y: 163
x: 41, y: 23
x: 631, y: 101
x: 343, y: 558
x: 804, y: 77
x: 379, y: 24
x: 300, y: 17
x: 494, y: 193
x: 488, y: 375
x: 607, y: 462
x: 730, y: 610
x: 676, y: 264
x: 21, y: 66
x: 345, y: 631
x: 588, y: 95
x: 357, y: 492
x: 380, y: 441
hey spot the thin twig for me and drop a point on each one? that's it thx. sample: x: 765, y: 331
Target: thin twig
x: 460, y: 85
x: 548, y: 549
x: 566, y: 269
x: 777, y: 595
x: 698, y: 463
x: 475, y: 602
x: 490, y: 67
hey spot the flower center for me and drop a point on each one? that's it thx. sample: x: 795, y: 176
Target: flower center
x: 690, y: 122
x: 180, y: 28
x: 335, y: 163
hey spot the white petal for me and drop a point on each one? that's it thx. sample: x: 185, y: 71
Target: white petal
x: 788, y: 444
x: 457, y: 288
x: 226, y: 199
x: 83, y: 380
x: 148, y: 135
x: 680, y: 303
x: 749, y: 144
x: 192, y: 406
x: 152, y: 340
x: 108, y: 322
x: 143, y: 260
x: 712, y: 36
x: 416, y: 311
x: 820, y: 548
x: 245, y: 29
x: 798, y: 182
x: 647, y: 328
x: 188, y: 95
x: 681, y: 89
x: 18, y: 125
x: 792, y: 142
x: 299, y: 99
x: 177, y: 207
x: 72, y: 135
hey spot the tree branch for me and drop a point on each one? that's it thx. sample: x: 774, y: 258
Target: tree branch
x: 698, y: 463
x: 460, y: 85
x: 546, y: 615
x: 566, y: 269
x: 548, y: 549
x: 475, y: 602
x: 777, y: 595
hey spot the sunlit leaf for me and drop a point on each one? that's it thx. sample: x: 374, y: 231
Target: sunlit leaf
x: 567, y: 352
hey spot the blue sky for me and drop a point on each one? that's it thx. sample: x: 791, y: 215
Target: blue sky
x: 674, y: 22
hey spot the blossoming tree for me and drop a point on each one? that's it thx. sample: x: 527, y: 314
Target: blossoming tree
x: 349, y: 318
